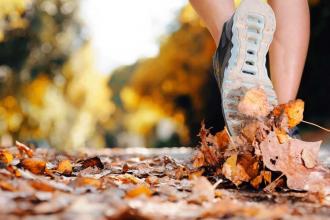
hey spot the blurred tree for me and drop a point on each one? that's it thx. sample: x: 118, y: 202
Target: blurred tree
x: 171, y: 84
x: 50, y: 90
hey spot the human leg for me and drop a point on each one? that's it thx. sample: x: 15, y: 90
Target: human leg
x: 288, y: 50
x: 214, y: 13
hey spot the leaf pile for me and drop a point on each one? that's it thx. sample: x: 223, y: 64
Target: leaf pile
x: 131, y: 184
x: 264, y: 152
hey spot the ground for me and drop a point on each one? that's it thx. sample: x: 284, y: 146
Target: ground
x: 135, y: 183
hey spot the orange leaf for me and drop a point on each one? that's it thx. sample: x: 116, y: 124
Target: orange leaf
x: 7, y: 186
x: 14, y: 170
x: 87, y: 181
x: 139, y: 191
x: 6, y: 157
x: 256, y: 182
x: 65, y: 167
x: 23, y: 148
x: 295, y: 112
x: 41, y: 186
x: 35, y: 165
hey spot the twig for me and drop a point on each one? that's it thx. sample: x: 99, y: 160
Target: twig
x: 230, y: 138
x: 215, y: 185
x: 316, y: 125
x: 271, y: 186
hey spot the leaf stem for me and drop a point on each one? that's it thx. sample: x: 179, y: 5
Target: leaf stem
x: 316, y: 125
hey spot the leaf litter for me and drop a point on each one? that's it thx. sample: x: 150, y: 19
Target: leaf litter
x: 175, y: 183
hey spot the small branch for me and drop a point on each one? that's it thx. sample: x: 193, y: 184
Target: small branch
x: 215, y: 185
x: 316, y: 125
x: 271, y: 186
x: 230, y: 138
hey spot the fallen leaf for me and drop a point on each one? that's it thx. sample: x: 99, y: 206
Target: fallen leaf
x: 88, y: 181
x: 128, y: 178
x: 35, y: 165
x: 254, y: 103
x: 294, y: 110
x: 7, y: 186
x: 6, y: 157
x: 282, y: 135
x: 256, y: 181
x: 234, y: 171
x: 25, y: 149
x: 14, y: 170
x: 202, y: 190
x: 65, y: 167
x: 139, y: 190
x: 221, y: 140
x: 287, y: 158
x: 199, y: 159
x: 92, y: 162
x: 249, y: 131
x: 308, y: 158
x: 41, y: 186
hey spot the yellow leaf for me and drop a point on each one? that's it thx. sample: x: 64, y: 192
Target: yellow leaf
x: 139, y: 191
x: 6, y: 157
x: 65, y: 167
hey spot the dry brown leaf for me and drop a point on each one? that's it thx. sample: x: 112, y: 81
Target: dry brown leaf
x: 6, y: 157
x: 265, y: 176
x: 308, y: 158
x: 25, y: 149
x: 35, y: 165
x: 196, y: 174
x: 282, y: 135
x: 221, y: 140
x: 64, y: 167
x: 202, y: 190
x: 254, y: 103
x: 199, y: 159
x: 92, y: 162
x: 256, y: 181
x: 249, y: 131
x: 234, y: 171
x: 287, y: 158
x: 139, y: 190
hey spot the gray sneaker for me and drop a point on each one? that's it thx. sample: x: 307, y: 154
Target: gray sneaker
x: 240, y: 60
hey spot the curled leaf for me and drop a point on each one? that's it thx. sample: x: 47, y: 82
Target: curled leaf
x: 254, y: 103
x: 35, y: 165
x: 92, y: 162
x: 23, y: 148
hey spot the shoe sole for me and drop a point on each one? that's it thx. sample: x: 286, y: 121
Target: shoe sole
x: 253, y: 29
